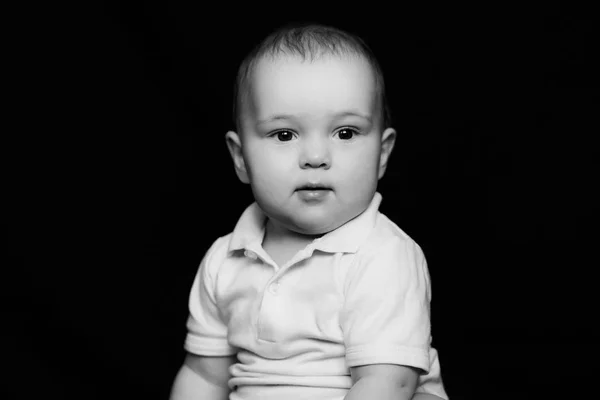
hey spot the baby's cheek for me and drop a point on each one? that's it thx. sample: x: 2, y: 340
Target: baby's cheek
x: 361, y: 181
x: 359, y: 163
x: 269, y: 170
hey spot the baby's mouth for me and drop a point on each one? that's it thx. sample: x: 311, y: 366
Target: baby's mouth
x: 314, y: 188
x: 313, y: 193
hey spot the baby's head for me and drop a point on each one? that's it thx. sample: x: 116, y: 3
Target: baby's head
x: 308, y: 43
x: 313, y: 135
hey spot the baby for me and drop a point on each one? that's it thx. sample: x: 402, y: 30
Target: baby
x: 315, y: 294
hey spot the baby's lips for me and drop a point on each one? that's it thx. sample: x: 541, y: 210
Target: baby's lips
x: 314, y: 186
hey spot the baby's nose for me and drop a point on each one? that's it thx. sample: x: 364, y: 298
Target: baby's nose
x: 315, y: 155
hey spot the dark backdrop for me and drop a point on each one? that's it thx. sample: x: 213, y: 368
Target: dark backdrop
x: 119, y: 180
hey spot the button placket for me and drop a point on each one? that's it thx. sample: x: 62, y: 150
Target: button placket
x: 270, y: 312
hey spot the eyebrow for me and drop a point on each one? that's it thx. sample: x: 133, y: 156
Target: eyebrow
x: 286, y: 117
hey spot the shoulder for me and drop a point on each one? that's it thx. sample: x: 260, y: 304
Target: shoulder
x: 387, y: 237
x: 389, y: 260
x: 216, y: 254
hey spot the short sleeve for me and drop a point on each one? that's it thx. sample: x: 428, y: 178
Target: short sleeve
x: 431, y: 382
x: 385, y: 317
x: 207, y: 333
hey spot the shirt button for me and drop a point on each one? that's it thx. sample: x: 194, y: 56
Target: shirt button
x: 250, y: 254
x: 274, y: 287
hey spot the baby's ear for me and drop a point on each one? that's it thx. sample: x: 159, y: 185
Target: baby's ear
x: 234, y: 144
x: 388, y: 139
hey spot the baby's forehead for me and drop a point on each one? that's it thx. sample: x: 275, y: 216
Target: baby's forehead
x: 272, y: 62
x: 290, y: 83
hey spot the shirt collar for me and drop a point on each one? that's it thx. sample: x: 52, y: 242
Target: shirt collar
x: 349, y: 237
x: 250, y: 230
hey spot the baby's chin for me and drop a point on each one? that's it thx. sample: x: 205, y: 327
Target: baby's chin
x: 312, y: 226
x: 316, y: 228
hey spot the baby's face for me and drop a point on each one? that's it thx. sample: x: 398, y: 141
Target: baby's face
x: 311, y: 141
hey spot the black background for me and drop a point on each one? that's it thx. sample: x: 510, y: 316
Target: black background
x: 119, y: 180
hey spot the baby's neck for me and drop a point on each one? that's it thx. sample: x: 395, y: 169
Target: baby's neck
x: 281, y: 244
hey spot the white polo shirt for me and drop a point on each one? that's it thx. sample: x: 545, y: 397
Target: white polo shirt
x: 358, y: 295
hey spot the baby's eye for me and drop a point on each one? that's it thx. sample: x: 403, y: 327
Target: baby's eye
x: 283, y: 136
x: 346, y: 133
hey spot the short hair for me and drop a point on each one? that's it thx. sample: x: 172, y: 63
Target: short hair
x: 309, y: 41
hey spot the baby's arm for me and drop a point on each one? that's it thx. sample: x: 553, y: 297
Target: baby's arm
x: 386, y: 381
x: 203, y: 377
x: 383, y: 381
